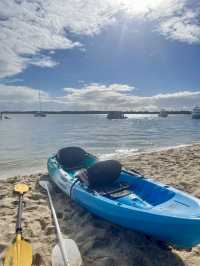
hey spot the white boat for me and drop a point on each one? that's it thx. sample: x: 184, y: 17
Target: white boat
x: 196, y: 112
x: 163, y: 113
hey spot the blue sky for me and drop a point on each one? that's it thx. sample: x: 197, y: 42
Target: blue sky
x: 122, y: 54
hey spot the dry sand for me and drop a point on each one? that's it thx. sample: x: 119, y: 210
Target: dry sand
x: 100, y: 242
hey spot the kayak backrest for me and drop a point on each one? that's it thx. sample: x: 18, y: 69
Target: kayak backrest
x: 103, y: 173
x: 71, y: 157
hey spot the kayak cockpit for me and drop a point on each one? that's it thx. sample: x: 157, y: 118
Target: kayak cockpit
x: 135, y: 191
x: 148, y: 191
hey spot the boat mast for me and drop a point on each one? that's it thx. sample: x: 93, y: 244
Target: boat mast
x: 39, y: 101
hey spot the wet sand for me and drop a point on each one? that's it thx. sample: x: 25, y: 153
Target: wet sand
x: 101, y: 243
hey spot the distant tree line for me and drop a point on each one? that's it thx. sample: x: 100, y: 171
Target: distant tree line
x: 93, y: 112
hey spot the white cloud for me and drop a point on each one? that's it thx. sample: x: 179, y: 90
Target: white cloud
x: 19, y: 93
x: 101, y: 88
x: 176, y: 19
x: 183, y: 28
x: 151, y: 9
x: 42, y: 61
x: 121, y: 97
x: 98, y: 96
x: 20, y: 97
x: 28, y: 27
x: 175, y: 95
x: 95, y: 97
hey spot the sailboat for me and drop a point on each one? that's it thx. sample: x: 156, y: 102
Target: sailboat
x: 40, y: 113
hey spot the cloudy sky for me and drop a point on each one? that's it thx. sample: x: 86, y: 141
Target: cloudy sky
x: 99, y: 54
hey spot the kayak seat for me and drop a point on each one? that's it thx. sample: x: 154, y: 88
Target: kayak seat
x: 103, y: 173
x: 102, y: 178
x: 71, y: 157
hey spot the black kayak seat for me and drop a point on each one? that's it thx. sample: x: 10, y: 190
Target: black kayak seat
x: 71, y: 157
x: 103, y: 173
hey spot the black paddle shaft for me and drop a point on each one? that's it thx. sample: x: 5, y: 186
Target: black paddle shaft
x: 19, y: 214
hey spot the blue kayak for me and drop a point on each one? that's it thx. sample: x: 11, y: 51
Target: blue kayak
x: 127, y: 198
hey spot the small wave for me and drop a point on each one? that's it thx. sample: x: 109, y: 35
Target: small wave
x: 118, y: 153
x: 178, y: 146
x: 127, y: 152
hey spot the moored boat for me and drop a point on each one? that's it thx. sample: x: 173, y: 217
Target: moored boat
x: 7, y: 117
x: 127, y: 198
x: 39, y: 114
x: 116, y: 115
x: 163, y: 113
x: 196, y: 112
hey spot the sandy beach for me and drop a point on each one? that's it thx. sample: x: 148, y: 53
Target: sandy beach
x: 101, y: 243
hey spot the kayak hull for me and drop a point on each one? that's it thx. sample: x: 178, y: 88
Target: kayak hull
x: 175, y: 218
x: 183, y: 233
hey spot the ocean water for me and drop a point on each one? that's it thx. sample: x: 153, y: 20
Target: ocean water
x: 27, y: 141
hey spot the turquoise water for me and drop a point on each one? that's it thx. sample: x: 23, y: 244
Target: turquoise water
x: 26, y: 141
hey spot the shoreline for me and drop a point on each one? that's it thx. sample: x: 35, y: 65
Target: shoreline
x: 117, y: 154
x: 101, y: 243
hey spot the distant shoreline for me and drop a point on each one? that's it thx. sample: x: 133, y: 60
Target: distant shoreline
x: 93, y: 112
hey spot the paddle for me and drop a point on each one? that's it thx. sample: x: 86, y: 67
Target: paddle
x: 66, y: 252
x: 20, y: 252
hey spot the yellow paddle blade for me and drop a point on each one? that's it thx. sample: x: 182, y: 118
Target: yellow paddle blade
x: 21, y: 188
x: 19, y: 254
